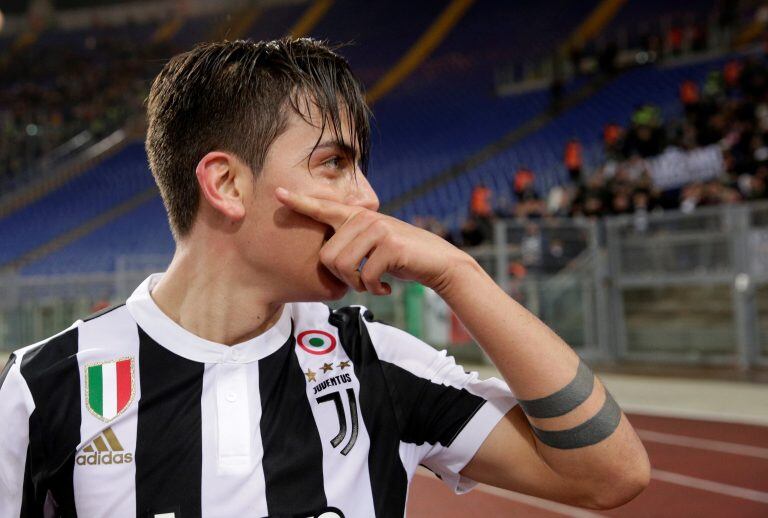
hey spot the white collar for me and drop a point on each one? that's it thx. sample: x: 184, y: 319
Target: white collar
x: 178, y: 340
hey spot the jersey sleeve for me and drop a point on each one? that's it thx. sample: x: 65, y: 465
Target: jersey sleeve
x: 437, y: 403
x: 15, y: 408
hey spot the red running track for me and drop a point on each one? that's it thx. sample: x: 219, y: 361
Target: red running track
x: 700, y: 468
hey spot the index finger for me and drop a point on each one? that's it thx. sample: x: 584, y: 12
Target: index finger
x: 325, y: 211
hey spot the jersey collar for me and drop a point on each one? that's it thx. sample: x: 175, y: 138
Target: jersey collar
x: 178, y: 340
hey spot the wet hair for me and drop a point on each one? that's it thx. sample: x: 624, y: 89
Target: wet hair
x: 235, y: 96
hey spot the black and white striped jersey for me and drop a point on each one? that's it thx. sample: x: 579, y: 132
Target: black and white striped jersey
x: 328, y: 413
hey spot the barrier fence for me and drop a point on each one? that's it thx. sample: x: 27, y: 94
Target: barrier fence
x: 653, y: 288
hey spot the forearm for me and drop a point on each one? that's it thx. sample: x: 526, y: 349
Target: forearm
x: 537, y: 364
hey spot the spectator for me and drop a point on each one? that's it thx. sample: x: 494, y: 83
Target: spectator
x: 572, y: 160
x: 697, y: 35
x: 713, y: 86
x: 675, y: 40
x: 523, y: 186
x: 646, y: 137
x: 732, y: 76
x: 613, y: 137
x: 480, y: 203
x: 689, y: 96
x: 558, y: 201
x: 621, y: 203
x: 473, y: 233
x: 732, y: 112
x: 478, y: 228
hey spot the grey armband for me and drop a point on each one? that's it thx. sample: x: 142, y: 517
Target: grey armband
x: 596, y: 429
x: 565, y: 399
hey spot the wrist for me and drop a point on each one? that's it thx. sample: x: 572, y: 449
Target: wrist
x: 461, y: 270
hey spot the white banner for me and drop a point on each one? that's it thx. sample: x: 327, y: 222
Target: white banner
x: 675, y: 167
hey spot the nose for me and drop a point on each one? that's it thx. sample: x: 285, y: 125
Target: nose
x: 363, y: 194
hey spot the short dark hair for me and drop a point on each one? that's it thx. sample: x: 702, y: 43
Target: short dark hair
x: 233, y: 96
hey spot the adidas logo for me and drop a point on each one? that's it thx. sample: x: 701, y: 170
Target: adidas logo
x: 104, y: 449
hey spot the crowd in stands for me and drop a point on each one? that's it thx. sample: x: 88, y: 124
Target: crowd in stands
x: 683, y: 31
x: 49, y: 96
x: 729, y: 110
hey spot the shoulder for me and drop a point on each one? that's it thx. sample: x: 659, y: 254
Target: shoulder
x: 54, y: 347
x: 36, y: 361
x: 359, y: 329
x: 366, y: 339
x: 63, y: 347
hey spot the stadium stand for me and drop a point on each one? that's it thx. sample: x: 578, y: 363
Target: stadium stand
x: 637, y: 21
x: 542, y: 151
x: 274, y: 22
x: 143, y: 230
x: 423, y: 128
x: 423, y: 124
x: 93, y: 85
x: 374, y: 32
x: 111, y: 182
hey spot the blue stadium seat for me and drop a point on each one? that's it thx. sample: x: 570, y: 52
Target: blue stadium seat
x: 441, y: 114
x: 448, y: 109
x: 144, y: 230
x: 109, y: 183
x: 542, y: 151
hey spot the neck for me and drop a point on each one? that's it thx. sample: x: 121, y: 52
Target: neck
x: 202, y: 292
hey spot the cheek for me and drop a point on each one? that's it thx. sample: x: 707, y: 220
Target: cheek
x: 296, y: 239
x: 290, y: 242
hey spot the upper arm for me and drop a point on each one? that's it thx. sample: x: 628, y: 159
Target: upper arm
x: 15, y: 408
x: 437, y: 404
x: 508, y: 458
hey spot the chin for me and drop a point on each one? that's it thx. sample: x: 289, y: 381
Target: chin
x: 339, y: 293
x: 322, y: 286
x: 334, y: 288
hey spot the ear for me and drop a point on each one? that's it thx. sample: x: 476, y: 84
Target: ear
x: 221, y: 177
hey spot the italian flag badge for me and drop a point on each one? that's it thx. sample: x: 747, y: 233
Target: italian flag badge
x: 109, y: 388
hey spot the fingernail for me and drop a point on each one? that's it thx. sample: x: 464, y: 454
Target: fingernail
x: 280, y: 191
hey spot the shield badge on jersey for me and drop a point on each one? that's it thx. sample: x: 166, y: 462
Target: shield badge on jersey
x: 109, y: 388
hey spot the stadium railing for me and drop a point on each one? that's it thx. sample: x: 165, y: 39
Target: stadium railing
x: 687, y: 289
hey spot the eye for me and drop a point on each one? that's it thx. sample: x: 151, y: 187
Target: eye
x: 335, y: 162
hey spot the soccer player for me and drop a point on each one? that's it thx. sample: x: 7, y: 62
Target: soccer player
x: 224, y: 388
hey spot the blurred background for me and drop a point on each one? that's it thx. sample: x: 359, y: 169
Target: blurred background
x: 605, y: 160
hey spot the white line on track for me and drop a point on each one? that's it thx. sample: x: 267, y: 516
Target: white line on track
x: 541, y: 503
x: 703, y: 444
x: 708, y: 485
x: 547, y: 505
x: 699, y: 414
x: 656, y: 474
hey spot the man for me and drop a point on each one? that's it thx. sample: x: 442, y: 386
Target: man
x: 572, y: 160
x: 217, y: 390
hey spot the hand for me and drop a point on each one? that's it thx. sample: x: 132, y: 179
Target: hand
x: 387, y: 245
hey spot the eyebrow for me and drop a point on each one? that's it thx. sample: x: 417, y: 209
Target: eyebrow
x: 342, y: 146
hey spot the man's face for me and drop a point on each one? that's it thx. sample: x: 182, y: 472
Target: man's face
x: 283, y: 244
